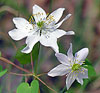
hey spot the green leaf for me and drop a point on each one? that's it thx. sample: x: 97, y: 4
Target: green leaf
x: 91, y: 70
x: 26, y: 58
x: 0, y: 68
x: 35, y: 86
x: 3, y: 72
x: 25, y: 88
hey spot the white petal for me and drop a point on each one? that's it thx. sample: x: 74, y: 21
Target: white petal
x: 82, y: 54
x: 83, y: 73
x: 49, y: 41
x: 62, y: 58
x: 70, y: 79
x: 39, y: 13
x: 22, y: 23
x: 59, y: 70
x: 70, y: 52
x: 57, y: 14
x: 70, y: 33
x: 59, y: 33
x: 18, y: 34
x: 59, y: 24
x: 80, y: 80
x: 30, y: 41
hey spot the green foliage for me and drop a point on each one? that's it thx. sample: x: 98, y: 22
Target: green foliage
x: 15, y: 5
x: 2, y: 72
x: 25, y: 88
x: 26, y: 58
x: 0, y: 54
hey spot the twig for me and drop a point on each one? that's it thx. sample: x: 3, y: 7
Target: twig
x: 42, y: 74
x: 9, y: 62
x: 18, y: 74
x: 45, y: 84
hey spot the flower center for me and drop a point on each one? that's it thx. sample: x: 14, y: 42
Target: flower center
x: 40, y: 24
x: 76, y: 67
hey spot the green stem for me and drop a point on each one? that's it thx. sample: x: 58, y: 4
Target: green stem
x: 36, y: 63
x: 50, y: 6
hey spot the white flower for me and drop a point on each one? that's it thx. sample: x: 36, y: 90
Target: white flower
x: 71, y: 66
x: 41, y: 27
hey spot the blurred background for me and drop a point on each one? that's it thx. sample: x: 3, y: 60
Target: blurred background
x: 85, y: 22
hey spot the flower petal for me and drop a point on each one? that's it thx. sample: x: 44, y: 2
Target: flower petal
x: 38, y: 13
x: 18, y: 34
x: 70, y: 52
x: 80, y: 80
x: 70, y: 33
x: 22, y: 23
x: 59, y: 24
x: 62, y: 58
x: 83, y: 73
x: 59, y: 33
x: 30, y: 41
x: 49, y: 41
x: 70, y: 79
x: 81, y: 55
x: 59, y: 70
x: 57, y: 14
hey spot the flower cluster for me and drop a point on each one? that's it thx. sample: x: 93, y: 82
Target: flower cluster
x: 43, y: 28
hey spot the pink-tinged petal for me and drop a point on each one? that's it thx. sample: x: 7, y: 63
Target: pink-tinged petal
x: 80, y: 80
x: 81, y: 55
x: 62, y: 58
x: 70, y: 79
x: 70, y: 52
x: 83, y: 73
x: 59, y: 70
x: 38, y: 13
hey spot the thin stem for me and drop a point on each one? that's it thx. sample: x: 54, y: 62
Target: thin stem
x: 42, y: 74
x: 31, y: 62
x: 45, y: 84
x: 36, y: 63
x: 9, y: 62
x: 50, y: 6
x: 18, y: 74
x: 25, y: 70
x: 33, y: 76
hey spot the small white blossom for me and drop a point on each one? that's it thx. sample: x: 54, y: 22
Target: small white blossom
x: 41, y: 27
x: 71, y: 66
